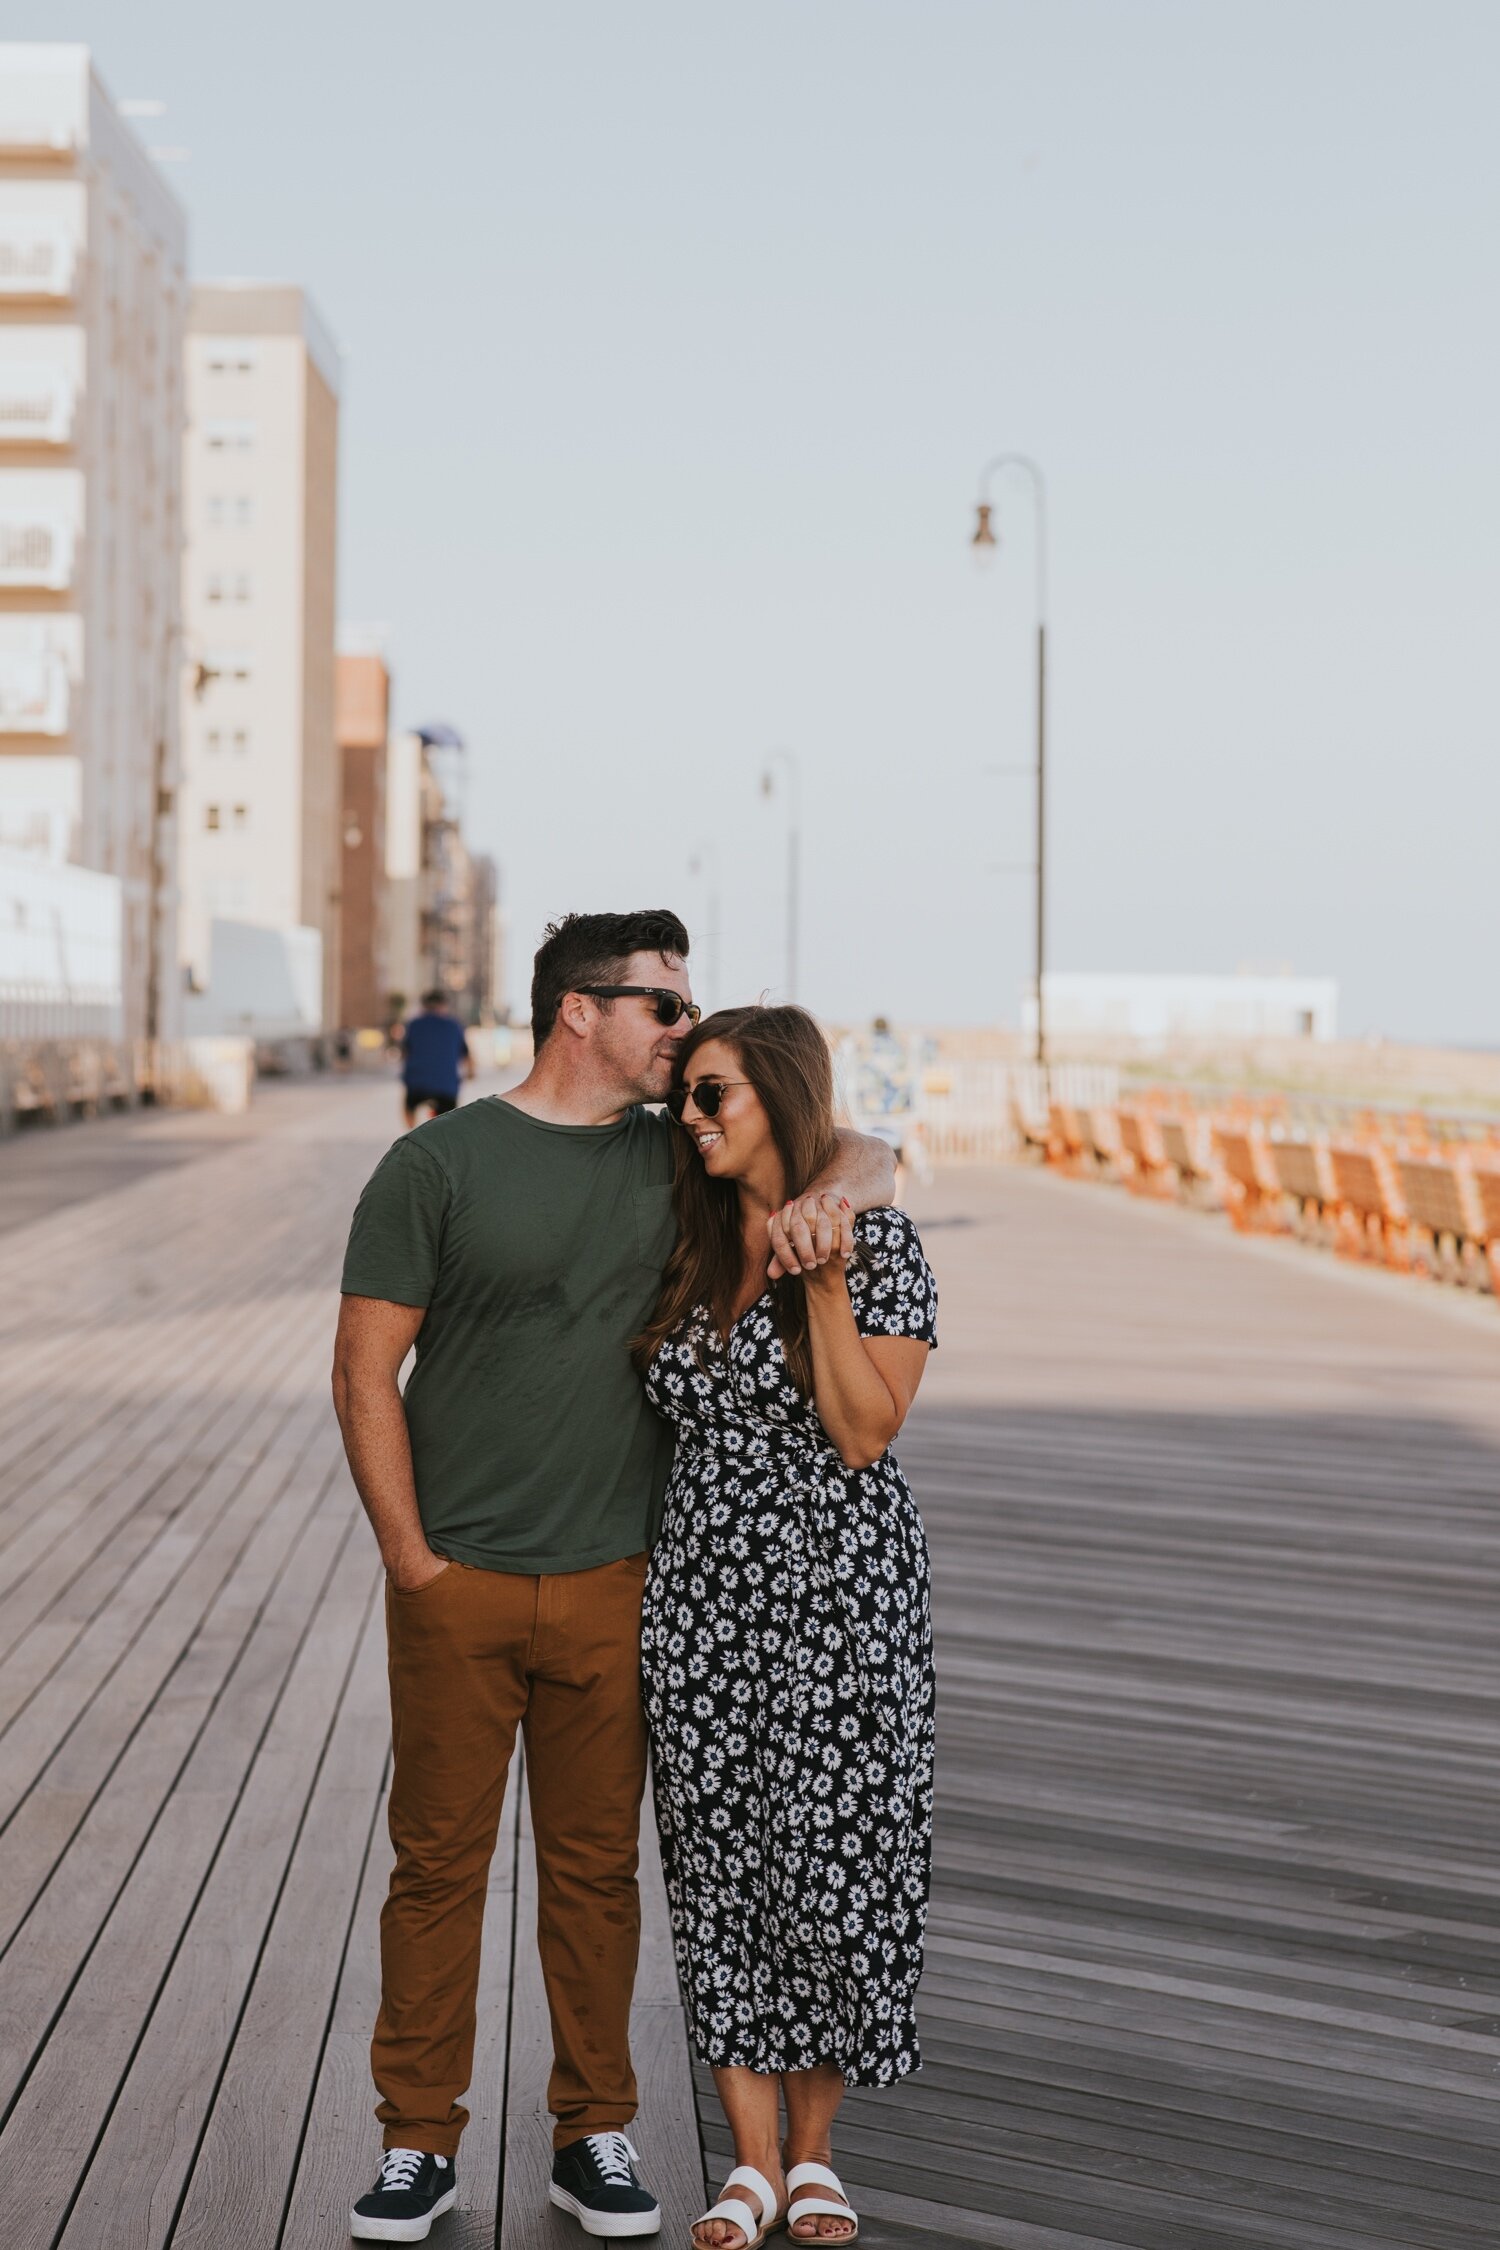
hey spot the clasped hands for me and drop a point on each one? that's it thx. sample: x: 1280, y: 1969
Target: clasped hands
x: 812, y: 1231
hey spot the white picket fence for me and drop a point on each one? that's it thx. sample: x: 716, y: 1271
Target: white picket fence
x: 966, y: 1113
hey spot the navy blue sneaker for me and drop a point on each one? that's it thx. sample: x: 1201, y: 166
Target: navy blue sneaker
x: 413, y: 2189
x: 596, y: 2179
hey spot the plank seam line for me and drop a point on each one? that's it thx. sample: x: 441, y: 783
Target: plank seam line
x: 40, y: 2049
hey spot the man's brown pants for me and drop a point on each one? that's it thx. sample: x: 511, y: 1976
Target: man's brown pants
x: 474, y: 1654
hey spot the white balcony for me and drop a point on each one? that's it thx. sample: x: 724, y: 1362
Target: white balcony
x: 36, y: 403
x: 34, y: 691
x: 38, y: 258
x: 36, y: 551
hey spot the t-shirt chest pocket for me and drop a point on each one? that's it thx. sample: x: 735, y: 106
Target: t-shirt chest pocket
x: 655, y: 1228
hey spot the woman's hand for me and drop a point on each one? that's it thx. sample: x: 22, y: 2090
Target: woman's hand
x: 809, y: 1234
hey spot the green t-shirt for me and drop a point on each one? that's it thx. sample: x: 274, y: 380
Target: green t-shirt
x: 537, y: 1251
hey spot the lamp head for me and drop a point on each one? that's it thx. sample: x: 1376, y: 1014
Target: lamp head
x: 985, y: 541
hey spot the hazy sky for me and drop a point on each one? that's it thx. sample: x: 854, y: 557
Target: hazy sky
x: 676, y: 335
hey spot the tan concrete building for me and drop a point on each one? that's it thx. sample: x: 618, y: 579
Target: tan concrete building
x: 93, y: 294
x: 363, y: 702
x: 408, y: 794
x: 261, y: 827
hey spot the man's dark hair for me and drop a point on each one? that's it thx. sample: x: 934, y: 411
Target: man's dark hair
x: 436, y: 998
x: 593, y: 949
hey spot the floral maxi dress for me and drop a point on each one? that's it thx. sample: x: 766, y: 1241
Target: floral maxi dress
x: 787, y: 1670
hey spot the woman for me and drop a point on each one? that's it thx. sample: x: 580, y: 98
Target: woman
x: 787, y: 1643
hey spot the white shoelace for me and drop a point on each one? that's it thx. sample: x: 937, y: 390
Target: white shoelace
x: 614, y: 2156
x: 400, y: 2167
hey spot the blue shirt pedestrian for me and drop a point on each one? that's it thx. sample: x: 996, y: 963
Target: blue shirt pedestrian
x: 433, y: 1049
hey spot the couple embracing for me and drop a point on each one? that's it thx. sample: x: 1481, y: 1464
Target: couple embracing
x: 639, y: 1486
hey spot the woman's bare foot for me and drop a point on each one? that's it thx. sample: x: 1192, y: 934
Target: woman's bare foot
x: 723, y: 2234
x: 819, y: 2226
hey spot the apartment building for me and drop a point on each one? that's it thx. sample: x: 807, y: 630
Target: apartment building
x: 93, y: 296
x: 261, y: 813
x: 443, y: 926
x: 363, y: 698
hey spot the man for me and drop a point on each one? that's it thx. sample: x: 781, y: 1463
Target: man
x: 515, y: 1490
x: 434, y: 1049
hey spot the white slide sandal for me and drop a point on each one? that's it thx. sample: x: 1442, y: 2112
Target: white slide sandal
x: 736, y: 2212
x: 818, y: 2206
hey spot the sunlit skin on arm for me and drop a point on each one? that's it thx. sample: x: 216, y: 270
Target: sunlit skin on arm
x: 863, y: 1386
x: 369, y: 1350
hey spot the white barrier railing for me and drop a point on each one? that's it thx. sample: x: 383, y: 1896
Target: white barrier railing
x: 967, y: 1107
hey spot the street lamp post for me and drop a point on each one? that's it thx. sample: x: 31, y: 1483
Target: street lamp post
x: 984, y: 540
x: 789, y: 759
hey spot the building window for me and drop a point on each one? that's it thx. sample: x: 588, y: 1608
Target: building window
x: 215, y: 512
x: 210, y: 816
x: 241, y: 740
x: 242, y: 586
x: 232, y: 359
x: 212, y: 741
x: 214, y: 587
x: 229, y: 437
x: 242, y: 816
x: 242, y: 514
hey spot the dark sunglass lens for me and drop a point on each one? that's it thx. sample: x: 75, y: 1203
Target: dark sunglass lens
x: 708, y: 1097
x: 669, y: 1007
x: 676, y: 1103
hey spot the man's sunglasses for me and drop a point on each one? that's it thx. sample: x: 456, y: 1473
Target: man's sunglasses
x: 670, y: 1006
x: 706, y: 1095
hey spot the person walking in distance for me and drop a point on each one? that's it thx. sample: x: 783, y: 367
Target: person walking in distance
x: 515, y: 1490
x: 434, y: 1050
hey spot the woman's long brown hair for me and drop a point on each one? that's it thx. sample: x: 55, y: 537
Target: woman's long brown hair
x: 784, y: 1055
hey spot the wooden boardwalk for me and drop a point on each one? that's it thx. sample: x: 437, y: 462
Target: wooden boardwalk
x: 1215, y: 1530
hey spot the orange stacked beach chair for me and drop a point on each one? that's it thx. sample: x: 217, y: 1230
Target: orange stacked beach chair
x: 1305, y: 1177
x: 1369, y: 1215
x: 1064, y: 1138
x: 1187, y: 1145
x: 1252, y: 1192
x: 1145, y: 1168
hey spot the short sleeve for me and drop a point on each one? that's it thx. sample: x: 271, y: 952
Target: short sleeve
x: 659, y: 1138
x: 396, y: 1237
x: 891, y: 1286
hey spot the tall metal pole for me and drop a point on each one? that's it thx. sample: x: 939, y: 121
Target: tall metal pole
x: 984, y: 537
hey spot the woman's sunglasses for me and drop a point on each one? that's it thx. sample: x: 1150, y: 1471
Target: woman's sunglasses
x: 670, y: 1006
x: 706, y: 1096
